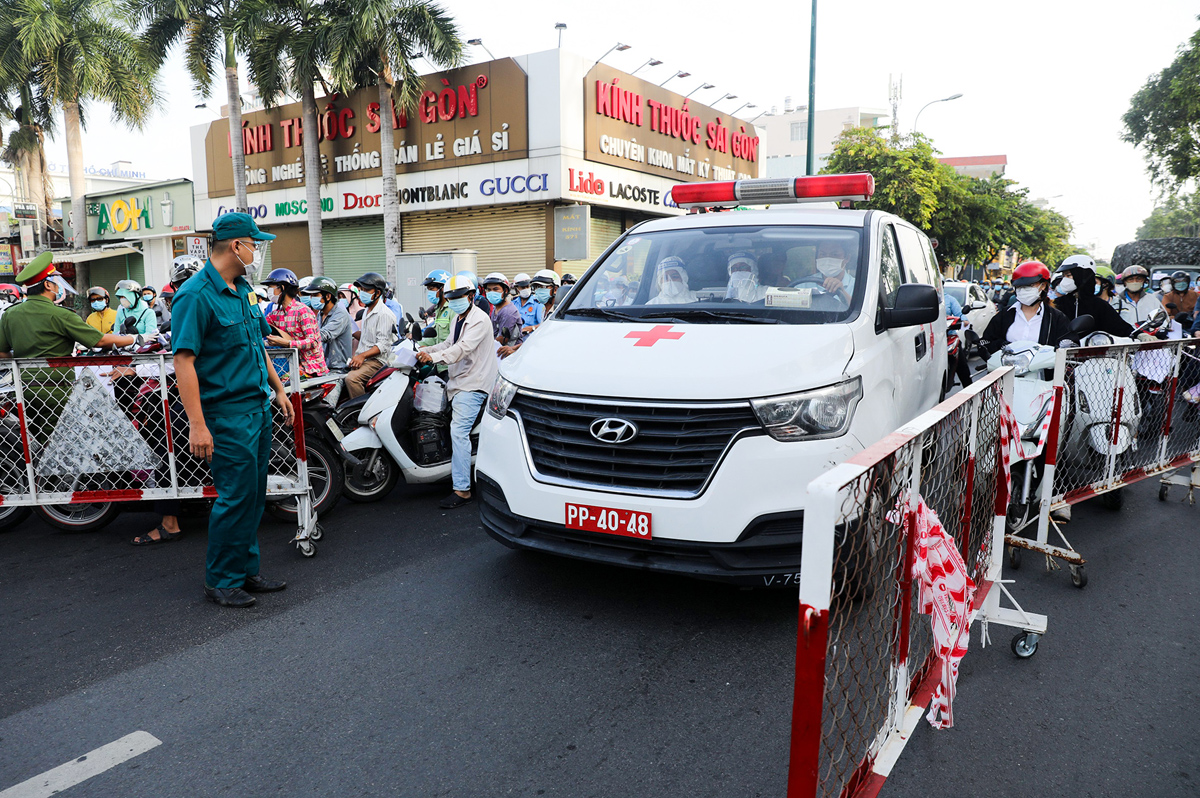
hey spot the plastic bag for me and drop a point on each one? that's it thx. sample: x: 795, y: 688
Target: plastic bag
x: 430, y: 395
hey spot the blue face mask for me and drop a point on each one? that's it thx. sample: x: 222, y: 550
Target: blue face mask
x: 541, y: 295
x: 495, y: 297
x: 366, y: 297
x: 99, y: 305
x: 431, y: 297
x: 313, y: 302
x: 460, y: 305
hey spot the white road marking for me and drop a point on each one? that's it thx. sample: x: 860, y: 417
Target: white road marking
x: 93, y: 763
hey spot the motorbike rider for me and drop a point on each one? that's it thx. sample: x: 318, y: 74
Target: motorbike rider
x: 506, y: 319
x: 439, y: 311
x: 545, y: 289
x: 337, y: 335
x: 378, y: 333
x: 532, y: 311
x: 182, y: 268
x: 1077, y: 298
x: 134, y: 317
x: 958, y: 364
x: 1181, y: 294
x: 472, y: 367
x: 671, y: 282
x: 1109, y: 287
x: 294, y: 324
x: 102, y: 316
x: 1032, y: 318
x: 1133, y: 301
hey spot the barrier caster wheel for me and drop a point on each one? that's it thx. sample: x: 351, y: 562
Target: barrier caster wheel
x: 1014, y: 557
x: 317, y: 533
x: 307, y: 548
x: 1025, y: 645
x: 1162, y: 493
x: 1078, y: 576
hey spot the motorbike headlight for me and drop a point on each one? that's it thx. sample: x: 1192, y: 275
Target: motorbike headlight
x: 501, y: 397
x: 810, y: 415
x: 1018, y: 360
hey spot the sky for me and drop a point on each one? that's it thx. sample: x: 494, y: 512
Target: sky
x: 1044, y: 82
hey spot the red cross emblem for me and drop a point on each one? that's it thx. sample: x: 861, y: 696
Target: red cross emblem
x: 655, y: 334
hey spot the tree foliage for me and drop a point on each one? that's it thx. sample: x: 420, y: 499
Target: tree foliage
x: 973, y: 219
x: 1164, y: 119
x: 1178, y: 215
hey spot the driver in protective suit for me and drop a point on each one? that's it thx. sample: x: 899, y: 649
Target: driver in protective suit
x: 671, y: 280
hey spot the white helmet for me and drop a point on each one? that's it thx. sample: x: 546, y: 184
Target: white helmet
x: 521, y: 278
x: 304, y: 281
x: 496, y: 277
x: 1078, y: 262
x: 546, y: 276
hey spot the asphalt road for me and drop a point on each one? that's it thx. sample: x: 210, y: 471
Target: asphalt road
x: 415, y: 656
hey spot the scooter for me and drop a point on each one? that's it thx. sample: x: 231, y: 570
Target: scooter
x: 394, y: 439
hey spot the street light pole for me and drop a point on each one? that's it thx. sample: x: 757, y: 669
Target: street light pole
x: 931, y: 102
x: 812, y: 92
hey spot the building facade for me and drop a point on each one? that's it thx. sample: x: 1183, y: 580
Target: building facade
x: 489, y: 154
x: 785, y: 136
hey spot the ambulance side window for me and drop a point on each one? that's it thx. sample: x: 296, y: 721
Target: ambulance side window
x: 890, y: 273
x: 915, y: 264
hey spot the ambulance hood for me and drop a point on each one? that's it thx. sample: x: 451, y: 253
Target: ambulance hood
x: 654, y: 361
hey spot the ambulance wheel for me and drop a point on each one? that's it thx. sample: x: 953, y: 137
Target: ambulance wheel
x: 1162, y: 493
x: 1014, y: 557
x: 1078, y: 576
x: 13, y: 515
x: 307, y: 548
x: 79, y: 517
x: 1025, y: 645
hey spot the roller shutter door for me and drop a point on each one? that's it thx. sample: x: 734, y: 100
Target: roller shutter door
x: 107, y: 272
x: 509, y: 240
x: 353, y: 247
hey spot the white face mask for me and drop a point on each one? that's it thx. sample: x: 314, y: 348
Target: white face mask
x: 1066, y: 286
x: 525, y: 293
x: 830, y: 267
x: 275, y: 294
x: 254, y: 267
x: 1028, y: 294
x: 1134, y: 287
x: 671, y: 288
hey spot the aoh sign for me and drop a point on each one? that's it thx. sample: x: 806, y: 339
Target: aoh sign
x: 122, y: 215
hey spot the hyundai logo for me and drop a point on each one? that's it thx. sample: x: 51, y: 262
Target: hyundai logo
x: 613, y: 430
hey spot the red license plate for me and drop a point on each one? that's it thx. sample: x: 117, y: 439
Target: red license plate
x: 612, y: 522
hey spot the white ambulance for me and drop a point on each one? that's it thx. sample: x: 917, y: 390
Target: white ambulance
x: 671, y: 413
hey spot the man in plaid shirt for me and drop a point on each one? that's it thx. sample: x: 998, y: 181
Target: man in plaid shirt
x: 297, y: 324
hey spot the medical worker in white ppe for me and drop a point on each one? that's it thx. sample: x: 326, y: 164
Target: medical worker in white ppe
x: 671, y: 279
x: 743, y: 279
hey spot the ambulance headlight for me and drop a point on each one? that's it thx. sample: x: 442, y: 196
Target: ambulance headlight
x: 501, y: 397
x: 820, y: 413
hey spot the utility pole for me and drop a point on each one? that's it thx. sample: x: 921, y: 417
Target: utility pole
x: 812, y: 91
x: 895, y: 92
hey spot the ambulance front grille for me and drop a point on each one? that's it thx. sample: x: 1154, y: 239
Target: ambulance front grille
x: 674, y: 453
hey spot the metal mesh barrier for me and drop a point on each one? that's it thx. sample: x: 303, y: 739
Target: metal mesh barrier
x: 1129, y: 413
x: 106, y: 429
x: 865, y: 654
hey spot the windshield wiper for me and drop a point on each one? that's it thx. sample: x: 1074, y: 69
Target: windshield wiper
x: 604, y: 313
x: 723, y: 315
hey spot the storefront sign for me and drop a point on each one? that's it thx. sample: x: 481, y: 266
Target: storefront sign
x: 605, y: 189
x: 571, y: 228
x: 634, y: 124
x: 465, y: 116
x: 27, y: 236
x: 151, y: 210
x: 198, y: 246
x: 22, y: 210
x: 7, y: 259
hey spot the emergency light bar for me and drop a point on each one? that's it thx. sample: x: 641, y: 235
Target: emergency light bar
x: 817, y: 188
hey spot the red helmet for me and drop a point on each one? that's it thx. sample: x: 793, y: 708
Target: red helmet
x: 1030, y: 272
x: 168, y: 290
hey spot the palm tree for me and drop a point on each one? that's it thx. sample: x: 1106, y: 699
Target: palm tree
x: 374, y: 44
x: 207, y: 29
x: 287, y: 48
x: 25, y: 150
x: 76, y: 54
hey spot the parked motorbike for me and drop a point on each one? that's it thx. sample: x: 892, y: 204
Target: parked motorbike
x: 397, y: 437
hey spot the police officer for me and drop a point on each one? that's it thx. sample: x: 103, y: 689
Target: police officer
x: 225, y: 382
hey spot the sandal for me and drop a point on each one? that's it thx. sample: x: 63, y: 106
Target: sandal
x: 163, y: 537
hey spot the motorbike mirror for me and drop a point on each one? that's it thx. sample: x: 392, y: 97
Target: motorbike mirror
x: 409, y: 317
x: 1158, y: 318
x: 1082, y: 325
x: 129, y: 325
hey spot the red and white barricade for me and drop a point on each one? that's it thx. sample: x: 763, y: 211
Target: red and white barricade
x: 903, y: 547
x: 1123, y: 413
x: 80, y: 433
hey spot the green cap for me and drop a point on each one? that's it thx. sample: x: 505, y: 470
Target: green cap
x: 238, y: 225
x: 38, y: 269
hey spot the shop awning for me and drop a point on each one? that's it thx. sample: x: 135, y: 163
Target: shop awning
x: 81, y: 255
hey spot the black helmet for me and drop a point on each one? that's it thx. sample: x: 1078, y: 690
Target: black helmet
x: 568, y: 278
x: 1181, y: 275
x: 282, y: 277
x: 373, y: 280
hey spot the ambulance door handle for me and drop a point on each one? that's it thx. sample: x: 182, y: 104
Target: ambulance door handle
x: 922, y: 346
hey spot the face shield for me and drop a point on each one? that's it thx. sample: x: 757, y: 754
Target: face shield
x: 61, y: 282
x: 670, y: 278
x: 743, y: 278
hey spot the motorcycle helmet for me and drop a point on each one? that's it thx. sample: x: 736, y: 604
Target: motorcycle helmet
x: 321, y: 285
x: 1084, y: 262
x: 546, y: 277
x: 568, y: 279
x: 1181, y: 277
x: 1030, y: 272
x: 373, y: 281
x: 458, y: 286
x: 282, y: 277
x: 521, y: 280
x: 1132, y: 270
x: 129, y: 290
x: 436, y: 277
x: 496, y: 278
x: 96, y: 290
x: 468, y: 275
x: 168, y: 291
x: 184, y: 267
x: 1106, y: 276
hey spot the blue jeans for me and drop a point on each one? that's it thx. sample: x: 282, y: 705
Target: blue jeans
x: 465, y: 406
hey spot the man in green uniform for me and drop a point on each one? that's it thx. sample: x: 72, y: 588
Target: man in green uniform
x: 225, y: 382
x: 40, y: 328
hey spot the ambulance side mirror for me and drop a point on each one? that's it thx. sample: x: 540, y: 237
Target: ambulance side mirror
x: 915, y: 304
